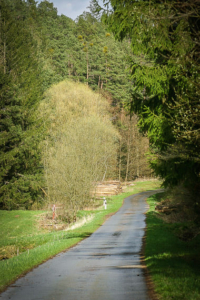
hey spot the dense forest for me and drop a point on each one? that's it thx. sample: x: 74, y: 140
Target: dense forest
x: 165, y: 65
x: 140, y: 61
x: 40, y: 49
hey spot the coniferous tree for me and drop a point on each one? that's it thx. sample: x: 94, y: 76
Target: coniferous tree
x: 20, y: 92
x: 165, y: 66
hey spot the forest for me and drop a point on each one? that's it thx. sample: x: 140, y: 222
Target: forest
x: 111, y: 95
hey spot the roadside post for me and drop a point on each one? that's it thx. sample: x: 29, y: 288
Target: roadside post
x: 105, y: 203
x: 54, y: 211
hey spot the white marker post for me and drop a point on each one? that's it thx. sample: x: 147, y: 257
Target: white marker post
x: 104, y: 202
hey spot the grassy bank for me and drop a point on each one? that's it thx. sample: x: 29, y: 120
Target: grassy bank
x: 24, y: 244
x: 172, y: 259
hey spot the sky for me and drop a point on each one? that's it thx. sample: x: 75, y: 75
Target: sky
x: 71, y: 8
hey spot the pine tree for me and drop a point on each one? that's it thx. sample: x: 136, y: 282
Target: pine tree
x: 20, y: 92
x: 86, y: 51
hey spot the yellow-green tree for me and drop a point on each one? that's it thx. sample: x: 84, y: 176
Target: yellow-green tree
x: 81, y: 147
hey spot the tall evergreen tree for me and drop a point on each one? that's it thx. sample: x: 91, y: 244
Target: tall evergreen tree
x: 165, y: 66
x: 20, y: 91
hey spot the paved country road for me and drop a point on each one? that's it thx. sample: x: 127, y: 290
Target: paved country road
x: 105, y: 266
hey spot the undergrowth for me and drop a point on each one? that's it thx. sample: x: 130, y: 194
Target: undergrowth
x: 172, y: 248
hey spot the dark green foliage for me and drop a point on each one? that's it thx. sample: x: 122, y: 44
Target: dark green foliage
x: 87, y: 52
x: 37, y: 49
x: 165, y: 71
x: 20, y: 92
x: 84, y: 51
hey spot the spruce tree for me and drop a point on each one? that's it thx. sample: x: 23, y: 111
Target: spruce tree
x: 165, y: 66
x: 20, y: 92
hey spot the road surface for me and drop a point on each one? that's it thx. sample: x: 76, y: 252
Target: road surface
x: 105, y: 266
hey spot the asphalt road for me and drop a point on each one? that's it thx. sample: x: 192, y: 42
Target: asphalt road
x: 105, y: 266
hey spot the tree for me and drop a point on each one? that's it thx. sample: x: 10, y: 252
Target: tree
x: 133, y: 146
x: 20, y: 92
x: 80, y: 146
x: 77, y: 50
x: 86, y: 51
x: 165, y: 66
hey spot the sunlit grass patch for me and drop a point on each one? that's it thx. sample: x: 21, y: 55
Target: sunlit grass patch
x: 145, y: 185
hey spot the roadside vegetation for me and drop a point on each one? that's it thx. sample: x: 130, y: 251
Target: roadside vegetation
x: 24, y: 244
x: 86, y: 100
x: 57, y: 49
x: 173, y: 245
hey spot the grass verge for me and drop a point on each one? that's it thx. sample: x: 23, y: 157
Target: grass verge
x: 24, y: 245
x: 173, y: 264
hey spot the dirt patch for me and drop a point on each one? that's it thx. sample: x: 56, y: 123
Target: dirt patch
x: 109, y: 215
x: 10, y: 251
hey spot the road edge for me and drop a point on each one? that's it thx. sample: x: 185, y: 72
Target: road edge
x: 147, y: 275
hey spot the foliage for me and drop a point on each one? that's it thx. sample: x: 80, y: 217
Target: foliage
x: 165, y: 67
x: 132, y: 148
x: 81, y: 145
x: 84, y: 51
x: 20, y: 92
x: 38, y: 48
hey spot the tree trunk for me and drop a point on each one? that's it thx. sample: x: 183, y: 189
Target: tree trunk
x: 99, y: 82
x: 128, y: 151
x: 4, y: 56
x: 137, y: 158
x: 120, y: 160
x: 4, y: 53
x: 106, y: 71
x: 87, y: 66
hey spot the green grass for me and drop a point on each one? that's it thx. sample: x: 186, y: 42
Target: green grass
x: 21, y: 234
x: 142, y: 186
x: 174, y: 264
